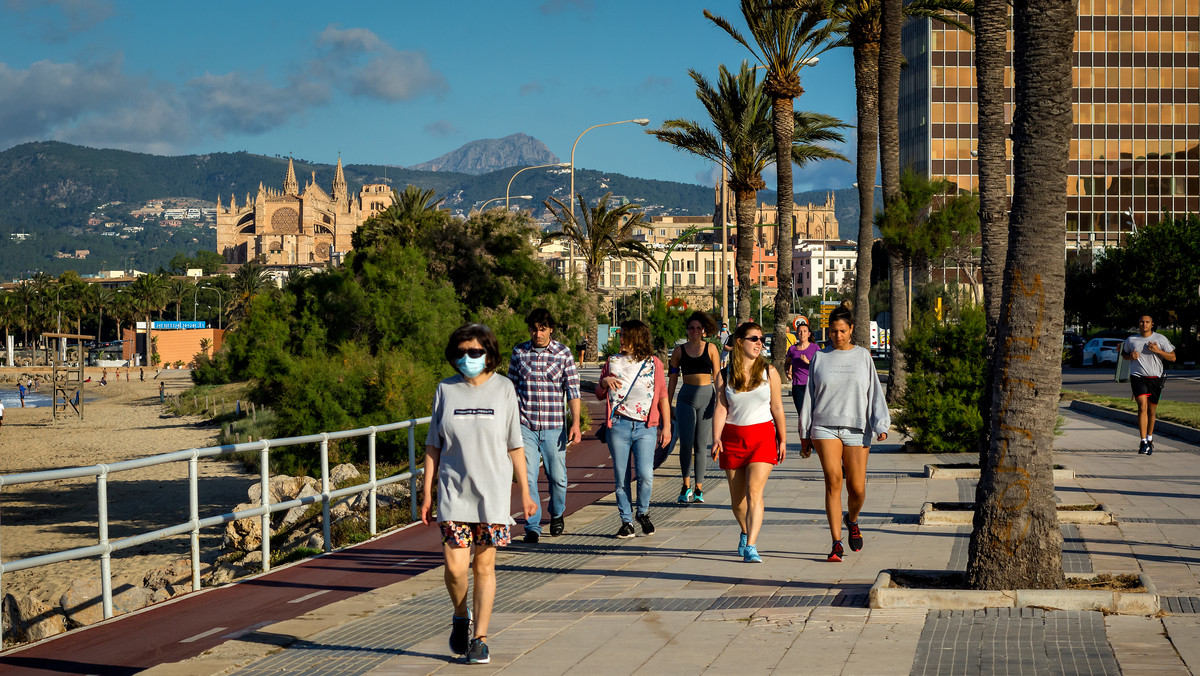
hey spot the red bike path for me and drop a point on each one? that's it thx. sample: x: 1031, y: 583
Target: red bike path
x: 193, y: 623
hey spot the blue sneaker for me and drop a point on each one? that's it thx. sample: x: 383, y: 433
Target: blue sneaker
x: 742, y: 545
x: 478, y: 652
x: 698, y: 496
x: 751, y: 555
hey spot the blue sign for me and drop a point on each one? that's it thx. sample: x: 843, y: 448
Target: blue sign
x: 174, y: 326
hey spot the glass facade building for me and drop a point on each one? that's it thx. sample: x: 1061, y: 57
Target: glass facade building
x: 1135, y: 151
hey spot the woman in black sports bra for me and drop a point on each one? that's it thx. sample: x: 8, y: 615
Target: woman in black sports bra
x: 699, y: 363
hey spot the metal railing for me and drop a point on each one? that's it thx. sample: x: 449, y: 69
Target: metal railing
x: 105, y: 547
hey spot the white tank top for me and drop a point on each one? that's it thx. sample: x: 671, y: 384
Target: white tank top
x: 749, y: 408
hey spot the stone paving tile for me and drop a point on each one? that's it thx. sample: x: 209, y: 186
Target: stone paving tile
x: 1141, y: 646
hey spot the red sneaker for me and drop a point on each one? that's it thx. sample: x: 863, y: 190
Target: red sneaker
x: 835, y: 556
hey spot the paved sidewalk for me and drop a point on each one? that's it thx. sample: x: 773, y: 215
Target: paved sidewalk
x: 682, y: 602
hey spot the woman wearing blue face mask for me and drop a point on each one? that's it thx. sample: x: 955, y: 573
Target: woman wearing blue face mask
x: 472, y: 451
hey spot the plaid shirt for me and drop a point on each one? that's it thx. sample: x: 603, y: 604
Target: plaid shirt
x: 541, y: 379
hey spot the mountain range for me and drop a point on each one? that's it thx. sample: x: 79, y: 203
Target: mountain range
x: 492, y: 154
x: 51, y: 190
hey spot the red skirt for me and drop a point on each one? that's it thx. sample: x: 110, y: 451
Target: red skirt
x: 744, y: 444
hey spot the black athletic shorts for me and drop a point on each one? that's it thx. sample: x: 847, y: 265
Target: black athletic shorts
x: 1146, y: 387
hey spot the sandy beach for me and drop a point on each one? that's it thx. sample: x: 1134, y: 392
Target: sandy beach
x: 122, y: 420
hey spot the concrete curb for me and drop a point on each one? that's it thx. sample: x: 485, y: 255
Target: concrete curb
x: 957, y: 517
x: 885, y: 595
x: 936, y: 472
x: 1170, y: 429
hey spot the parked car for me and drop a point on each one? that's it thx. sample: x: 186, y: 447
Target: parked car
x: 1072, y: 354
x: 1100, y: 351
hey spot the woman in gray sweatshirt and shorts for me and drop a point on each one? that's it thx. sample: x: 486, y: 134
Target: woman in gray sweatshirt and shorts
x: 844, y: 409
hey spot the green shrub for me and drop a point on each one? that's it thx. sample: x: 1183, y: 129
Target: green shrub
x: 940, y: 407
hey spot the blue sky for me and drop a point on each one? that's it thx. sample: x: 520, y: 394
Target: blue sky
x: 396, y: 82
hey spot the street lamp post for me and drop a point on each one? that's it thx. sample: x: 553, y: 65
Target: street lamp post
x: 505, y: 198
x: 220, y: 304
x: 561, y: 165
x: 571, y: 196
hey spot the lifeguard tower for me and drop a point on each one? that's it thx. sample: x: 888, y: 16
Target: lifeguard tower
x: 68, y: 389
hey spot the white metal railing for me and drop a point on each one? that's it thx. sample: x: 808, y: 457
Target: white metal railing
x: 105, y: 547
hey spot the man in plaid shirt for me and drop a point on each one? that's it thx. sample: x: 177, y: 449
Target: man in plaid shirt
x: 543, y: 371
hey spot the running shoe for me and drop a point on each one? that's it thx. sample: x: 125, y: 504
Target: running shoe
x: 685, y: 495
x: 1150, y: 447
x: 1144, y: 448
x: 742, y: 545
x: 856, y: 539
x: 647, y: 525
x: 626, y: 531
x: 478, y: 652
x: 460, y: 635
x: 698, y: 496
x: 751, y: 555
x: 835, y: 555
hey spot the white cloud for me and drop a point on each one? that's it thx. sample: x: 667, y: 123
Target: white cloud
x: 369, y: 67
x: 441, y: 128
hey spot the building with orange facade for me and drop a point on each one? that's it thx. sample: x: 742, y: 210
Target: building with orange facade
x: 1135, y: 152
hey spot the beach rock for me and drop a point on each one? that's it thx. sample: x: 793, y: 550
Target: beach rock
x: 294, y: 514
x: 130, y: 599
x: 340, y: 511
x: 283, y: 487
x: 161, y: 595
x: 82, y: 602
x: 343, y: 472
x: 173, y: 574
x: 396, y: 490
x: 244, y: 534
x: 252, y: 560
x: 226, y: 572
x: 27, y: 618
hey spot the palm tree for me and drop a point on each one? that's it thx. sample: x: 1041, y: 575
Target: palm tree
x: 26, y: 298
x: 408, y: 212
x: 10, y: 311
x: 787, y: 35
x: 177, y: 290
x: 149, y: 294
x: 742, y: 141
x: 605, y: 233
x: 1016, y: 542
x: 100, y: 298
x: 859, y: 22
x: 249, y: 280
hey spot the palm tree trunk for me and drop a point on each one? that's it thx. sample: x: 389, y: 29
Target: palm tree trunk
x: 745, y: 251
x: 898, y: 297
x: 1016, y: 541
x: 991, y: 26
x: 783, y: 126
x: 889, y: 162
x: 149, y: 342
x: 866, y: 85
x: 100, y: 326
x: 591, y: 344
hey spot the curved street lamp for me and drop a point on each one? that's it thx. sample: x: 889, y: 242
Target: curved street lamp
x: 220, y: 305
x: 505, y: 198
x: 561, y: 165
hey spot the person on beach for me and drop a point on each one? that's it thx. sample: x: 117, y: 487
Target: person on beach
x: 142, y: 375
x: 1147, y: 350
x: 21, y: 391
x: 844, y: 407
x: 749, y: 431
x: 472, y: 452
x: 698, y: 362
x: 543, y: 372
x: 796, y: 363
x: 638, y: 415
x: 1, y: 414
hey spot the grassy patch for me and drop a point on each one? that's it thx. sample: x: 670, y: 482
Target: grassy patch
x: 1122, y: 583
x: 1183, y: 413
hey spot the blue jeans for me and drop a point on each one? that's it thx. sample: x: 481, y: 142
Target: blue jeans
x: 631, y: 438
x: 549, y: 446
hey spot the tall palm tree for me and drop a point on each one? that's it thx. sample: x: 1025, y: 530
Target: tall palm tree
x: 177, y: 290
x: 249, y: 280
x: 10, y: 311
x: 1016, y: 542
x: 100, y: 298
x: 787, y: 36
x: 859, y: 22
x: 604, y: 233
x: 26, y: 298
x: 149, y: 294
x: 742, y: 141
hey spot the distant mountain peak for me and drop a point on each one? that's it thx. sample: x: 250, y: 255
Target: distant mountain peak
x: 489, y: 154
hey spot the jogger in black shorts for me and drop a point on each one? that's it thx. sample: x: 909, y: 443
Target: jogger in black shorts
x: 1147, y: 350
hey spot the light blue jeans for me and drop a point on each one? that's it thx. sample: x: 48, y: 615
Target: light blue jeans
x: 632, y: 440
x: 549, y: 446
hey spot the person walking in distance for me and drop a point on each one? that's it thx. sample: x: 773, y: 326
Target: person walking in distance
x: 698, y: 362
x: 799, y: 357
x: 543, y: 371
x: 750, y: 436
x: 1147, y: 350
x: 472, y: 452
x: 843, y: 409
x: 635, y: 391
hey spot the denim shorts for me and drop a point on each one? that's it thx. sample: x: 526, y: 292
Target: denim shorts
x: 849, y: 436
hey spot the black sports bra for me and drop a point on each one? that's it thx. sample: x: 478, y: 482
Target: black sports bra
x: 693, y: 365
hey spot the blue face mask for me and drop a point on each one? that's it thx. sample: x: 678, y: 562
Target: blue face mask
x: 471, y: 367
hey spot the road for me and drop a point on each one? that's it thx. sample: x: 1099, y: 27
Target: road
x: 1182, y: 385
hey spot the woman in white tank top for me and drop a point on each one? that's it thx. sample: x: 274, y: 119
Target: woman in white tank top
x: 749, y: 432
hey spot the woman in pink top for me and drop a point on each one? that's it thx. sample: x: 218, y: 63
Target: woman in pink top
x: 638, y: 416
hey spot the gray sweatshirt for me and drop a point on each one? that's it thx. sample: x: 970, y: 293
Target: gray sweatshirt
x: 844, y: 391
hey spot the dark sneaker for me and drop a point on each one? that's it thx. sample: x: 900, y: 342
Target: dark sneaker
x: 647, y: 525
x: 460, y: 635
x: 478, y: 652
x: 856, y: 540
x: 1144, y: 448
x: 1149, y: 448
x: 698, y: 495
x: 626, y: 531
x: 742, y: 545
x: 557, y: 526
x: 685, y: 495
x: 835, y: 555
x: 751, y: 555
x: 532, y: 537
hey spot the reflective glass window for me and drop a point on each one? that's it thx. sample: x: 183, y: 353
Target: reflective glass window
x: 1083, y: 113
x: 1112, y: 40
x: 1126, y: 77
x: 1083, y: 41
x: 936, y: 41
x: 1126, y: 113
x: 1139, y: 77
x: 1085, y: 77
x: 1152, y: 41
x: 1126, y: 41
x: 1139, y: 114
x: 1139, y: 42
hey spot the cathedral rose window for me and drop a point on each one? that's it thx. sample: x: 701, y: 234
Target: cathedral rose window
x: 286, y: 221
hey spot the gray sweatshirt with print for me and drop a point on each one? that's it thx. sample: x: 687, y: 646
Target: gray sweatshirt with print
x: 844, y: 391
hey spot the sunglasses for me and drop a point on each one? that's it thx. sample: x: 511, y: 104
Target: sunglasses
x: 472, y: 352
x: 753, y: 339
